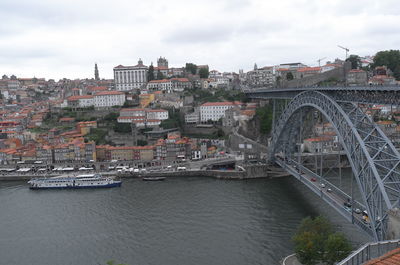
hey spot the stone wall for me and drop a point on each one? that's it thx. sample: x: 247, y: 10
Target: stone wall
x: 393, y: 224
x: 338, y: 73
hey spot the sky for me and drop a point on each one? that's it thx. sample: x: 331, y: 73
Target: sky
x: 64, y: 38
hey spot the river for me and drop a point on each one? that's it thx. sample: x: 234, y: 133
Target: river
x: 177, y: 221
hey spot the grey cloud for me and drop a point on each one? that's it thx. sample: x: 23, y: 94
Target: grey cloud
x: 204, y: 34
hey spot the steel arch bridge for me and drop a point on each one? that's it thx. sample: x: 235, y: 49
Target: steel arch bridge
x: 374, y: 160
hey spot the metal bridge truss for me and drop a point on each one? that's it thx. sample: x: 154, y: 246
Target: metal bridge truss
x: 374, y: 160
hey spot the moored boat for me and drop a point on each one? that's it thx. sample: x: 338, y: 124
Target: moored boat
x: 153, y: 178
x: 74, y: 182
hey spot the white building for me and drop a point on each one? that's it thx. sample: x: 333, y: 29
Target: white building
x: 169, y: 85
x: 215, y: 110
x: 164, y: 84
x: 261, y: 77
x: 132, y: 113
x: 106, y: 99
x: 192, y: 118
x: 156, y: 114
x: 80, y: 101
x: 143, y: 117
x: 130, y: 77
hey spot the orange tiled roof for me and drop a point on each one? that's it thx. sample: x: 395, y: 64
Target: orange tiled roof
x: 319, y: 139
x: 309, y: 69
x: 224, y: 103
x: 109, y: 93
x: 390, y: 258
x: 73, y: 98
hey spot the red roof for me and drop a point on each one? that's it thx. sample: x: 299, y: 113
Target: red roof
x: 138, y: 109
x: 390, y: 258
x: 319, y: 139
x: 106, y: 93
x: 156, y: 110
x: 160, y: 81
x: 224, y: 103
x: 98, y: 88
x: 309, y: 69
x: 73, y: 98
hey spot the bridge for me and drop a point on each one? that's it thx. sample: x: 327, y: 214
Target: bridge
x: 374, y: 161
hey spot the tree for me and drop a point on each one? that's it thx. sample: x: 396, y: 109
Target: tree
x: 289, y: 76
x: 122, y: 127
x: 355, y: 61
x: 391, y: 59
x: 264, y: 114
x: 150, y: 73
x: 315, y: 241
x: 336, y: 248
x: 191, y: 68
x: 141, y: 142
x: 112, y: 116
x: 160, y: 75
x: 309, y: 239
x: 203, y: 72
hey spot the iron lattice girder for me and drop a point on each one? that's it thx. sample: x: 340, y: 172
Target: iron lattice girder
x: 373, y: 158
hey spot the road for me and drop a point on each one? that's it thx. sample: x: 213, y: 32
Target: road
x: 327, y: 191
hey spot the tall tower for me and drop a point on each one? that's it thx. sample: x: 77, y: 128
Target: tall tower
x: 96, y: 72
x: 162, y: 62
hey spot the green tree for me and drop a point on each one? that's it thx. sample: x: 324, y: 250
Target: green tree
x: 391, y: 59
x: 264, y: 114
x: 191, y: 68
x: 315, y: 242
x: 150, y: 73
x: 355, y: 61
x: 289, y: 76
x: 203, y: 72
x: 336, y: 248
x: 141, y: 142
x: 112, y: 116
x: 122, y: 127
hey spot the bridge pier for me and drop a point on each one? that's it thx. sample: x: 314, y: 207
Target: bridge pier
x: 394, y: 224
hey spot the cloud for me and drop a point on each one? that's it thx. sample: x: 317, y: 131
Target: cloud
x: 63, y: 38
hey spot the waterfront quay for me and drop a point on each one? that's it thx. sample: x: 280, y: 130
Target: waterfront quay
x: 247, y: 172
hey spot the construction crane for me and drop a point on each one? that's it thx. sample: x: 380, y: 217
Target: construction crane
x: 344, y: 48
x: 319, y: 61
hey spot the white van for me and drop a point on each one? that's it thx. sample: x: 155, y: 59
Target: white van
x: 181, y: 168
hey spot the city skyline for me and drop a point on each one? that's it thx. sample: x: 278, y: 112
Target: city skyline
x: 65, y: 39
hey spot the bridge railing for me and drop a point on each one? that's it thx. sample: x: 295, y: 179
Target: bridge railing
x: 370, y: 251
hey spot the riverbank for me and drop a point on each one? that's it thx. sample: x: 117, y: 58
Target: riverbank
x: 250, y: 172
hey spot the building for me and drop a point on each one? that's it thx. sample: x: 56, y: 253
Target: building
x: 156, y: 114
x: 80, y: 101
x: 356, y: 77
x: 215, y: 110
x: 106, y: 99
x: 143, y: 117
x: 319, y: 144
x: 261, y: 77
x: 163, y: 84
x: 193, y: 118
x: 162, y: 62
x: 130, y: 77
x: 308, y: 71
x: 84, y: 127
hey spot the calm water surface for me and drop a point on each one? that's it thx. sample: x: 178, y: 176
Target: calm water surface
x: 178, y: 221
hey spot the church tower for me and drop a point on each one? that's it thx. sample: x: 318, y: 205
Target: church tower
x: 96, y: 72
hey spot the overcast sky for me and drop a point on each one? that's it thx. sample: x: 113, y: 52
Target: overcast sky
x: 64, y: 38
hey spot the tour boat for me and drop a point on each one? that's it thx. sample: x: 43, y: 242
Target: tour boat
x: 74, y: 182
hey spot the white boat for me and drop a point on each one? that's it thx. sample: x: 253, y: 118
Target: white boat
x: 74, y: 182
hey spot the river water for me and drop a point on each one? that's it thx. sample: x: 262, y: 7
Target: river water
x: 177, y: 221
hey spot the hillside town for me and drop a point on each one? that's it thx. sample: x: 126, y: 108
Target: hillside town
x: 158, y: 115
